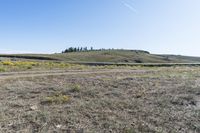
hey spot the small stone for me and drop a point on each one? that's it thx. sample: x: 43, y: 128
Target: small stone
x: 58, y: 126
x: 34, y: 107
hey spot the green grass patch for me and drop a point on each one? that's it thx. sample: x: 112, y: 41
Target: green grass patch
x: 2, y: 69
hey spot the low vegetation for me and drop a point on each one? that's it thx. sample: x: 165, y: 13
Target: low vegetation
x: 75, y: 88
x: 17, y: 66
x: 99, y: 99
x: 106, y: 55
x: 55, y: 96
x: 35, y: 65
x: 55, y: 99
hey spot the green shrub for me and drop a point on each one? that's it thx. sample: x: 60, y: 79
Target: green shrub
x: 76, y: 88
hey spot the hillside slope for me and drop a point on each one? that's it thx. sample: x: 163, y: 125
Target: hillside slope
x: 116, y: 56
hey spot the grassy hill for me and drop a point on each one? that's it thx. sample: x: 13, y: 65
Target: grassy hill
x: 116, y: 56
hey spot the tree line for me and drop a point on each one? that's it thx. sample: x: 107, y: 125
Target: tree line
x: 81, y: 49
x: 86, y: 49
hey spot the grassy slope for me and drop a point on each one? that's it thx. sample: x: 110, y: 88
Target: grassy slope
x: 113, y: 56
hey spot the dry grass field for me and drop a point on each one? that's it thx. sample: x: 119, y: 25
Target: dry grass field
x: 114, y: 56
x: 49, y: 98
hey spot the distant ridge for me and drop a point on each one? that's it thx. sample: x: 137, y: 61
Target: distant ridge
x: 112, y: 56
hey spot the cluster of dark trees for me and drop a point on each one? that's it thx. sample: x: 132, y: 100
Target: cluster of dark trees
x: 81, y: 49
x: 86, y: 49
x: 77, y: 49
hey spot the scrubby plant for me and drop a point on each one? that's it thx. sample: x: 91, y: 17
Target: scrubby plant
x: 56, y: 99
x: 8, y: 63
x: 76, y: 88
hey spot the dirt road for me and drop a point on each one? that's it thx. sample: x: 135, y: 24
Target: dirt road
x: 6, y: 75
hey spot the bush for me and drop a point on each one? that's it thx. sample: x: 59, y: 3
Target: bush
x: 76, y: 88
x: 56, y: 99
x: 8, y: 63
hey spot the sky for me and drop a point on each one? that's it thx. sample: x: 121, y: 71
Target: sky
x: 50, y: 26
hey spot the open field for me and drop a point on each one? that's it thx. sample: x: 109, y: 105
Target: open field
x: 112, y: 56
x: 58, y: 97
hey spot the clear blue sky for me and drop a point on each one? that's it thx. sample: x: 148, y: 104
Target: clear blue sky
x: 159, y: 26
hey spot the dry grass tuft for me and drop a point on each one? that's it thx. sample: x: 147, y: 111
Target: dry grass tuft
x: 56, y: 99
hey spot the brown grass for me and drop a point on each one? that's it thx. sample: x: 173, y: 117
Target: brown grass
x: 145, y: 100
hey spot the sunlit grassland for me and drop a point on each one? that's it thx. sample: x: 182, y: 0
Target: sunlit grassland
x: 140, y: 99
x: 8, y: 66
x: 13, y: 66
x: 116, y: 99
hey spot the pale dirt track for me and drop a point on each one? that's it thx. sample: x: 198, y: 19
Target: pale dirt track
x: 25, y: 74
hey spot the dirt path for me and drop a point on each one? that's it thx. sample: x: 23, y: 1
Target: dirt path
x: 6, y: 75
